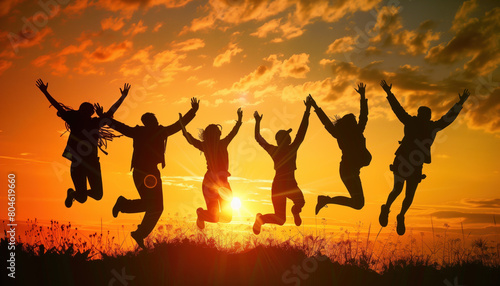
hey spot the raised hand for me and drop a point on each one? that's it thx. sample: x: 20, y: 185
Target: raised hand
x: 240, y: 114
x: 41, y: 86
x: 361, y: 89
x: 126, y: 88
x: 257, y: 117
x: 464, y: 96
x: 99, y: 110
x: 195, y: 104
x: 385, y: 86
x: 312, y: 101
x: 308, y: 102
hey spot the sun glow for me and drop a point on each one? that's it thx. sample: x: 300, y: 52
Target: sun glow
x: 236, y: 203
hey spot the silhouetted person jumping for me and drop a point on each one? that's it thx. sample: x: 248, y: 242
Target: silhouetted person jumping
x: 284, y: 184
x: 414, y: 150
x: 216, y: 189
x: 150, y: 141
x: 349, y: 134
x: 87, y: 133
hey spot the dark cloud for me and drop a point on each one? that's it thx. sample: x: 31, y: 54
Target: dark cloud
x: 483, y: 203
x: 468, y: 217
x: 389, y: 31
x: 477, y: 40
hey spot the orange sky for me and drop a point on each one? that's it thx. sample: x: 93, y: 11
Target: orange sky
x: 258, y: 55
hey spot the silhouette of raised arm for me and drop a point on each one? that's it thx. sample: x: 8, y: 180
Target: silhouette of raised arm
x: 262, y: 142
x: 324, y: 118
x: 177, y: 126
x: 452, y: 114
x: 191, y: 140
x: 43, y: 87
x: 301, y: 133
x: 236, y: 127
x: 402, y: 115
x: 114, y: 107
x: 363, y: 109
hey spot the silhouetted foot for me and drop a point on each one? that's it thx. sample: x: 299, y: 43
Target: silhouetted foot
x: 384, y: 215
x: 322, y: 201
x: 69, y: 198
x: 401, y: 229
x: 199, y: 222
x: 116, y: 208
x: 139, y: 239
x: 296, y: 216
x: 258, y: 224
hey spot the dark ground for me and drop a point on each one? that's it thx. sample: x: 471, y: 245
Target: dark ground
x: 186, y: 263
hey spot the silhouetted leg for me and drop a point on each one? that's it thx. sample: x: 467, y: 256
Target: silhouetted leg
x: 95, y: 180
x: 152, y: 200
x: 79, y: 177
x: 350, y: 177
x: 279, y: 215
x: 137, y: 205
x: 396, y: 190
x: 212, y: 197
x: 297, y: 197
x: 411, y: 188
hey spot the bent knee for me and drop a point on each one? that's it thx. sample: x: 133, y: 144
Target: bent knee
x: 359, y: 204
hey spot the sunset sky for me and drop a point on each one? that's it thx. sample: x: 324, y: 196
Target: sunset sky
x: 258, y: 55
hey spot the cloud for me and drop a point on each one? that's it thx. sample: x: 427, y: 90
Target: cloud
x: 296, y: 66
x: 462, y: 15
x: 303, y: 13
x: 77, y: 7
x: 157, y: 26
x: 476, y: 39
x: 225, y: 57
x: 483, y: 203
x: 111, y: 23
x: 136, y: 28
x: 208, y: 83
x: 25, y: 39
x: 269, y: 27
x: 466, y: 217
x: 4, y: 65
x: 57, y: 60
x: 485, y: 114
x: 111, y: 52
x: 128, y: 7
x: 342, y: 45
x: 388, y: 31
x: 7, y: 5
x: 188, y: 45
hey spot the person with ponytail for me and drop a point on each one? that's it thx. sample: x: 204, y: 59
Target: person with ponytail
x: 355, y: 155
x: 87, y: 134
x: 216, y: 189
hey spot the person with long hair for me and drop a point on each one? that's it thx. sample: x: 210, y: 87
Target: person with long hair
x: 284, y: 184
x: 414, y: 151
x: 355, y: 155
x: 149, y: 143
x: 216, y: 189
x: 87, y: 134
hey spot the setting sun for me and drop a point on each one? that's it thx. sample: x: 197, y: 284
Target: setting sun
x: 236, y: 203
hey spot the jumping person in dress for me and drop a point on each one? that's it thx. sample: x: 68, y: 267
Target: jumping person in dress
x: 284, y: 184
x: 87, y: 133
x: 216, y: 189
x: 414, y: 150
x: 150, y: 141
x: 349, y: 135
